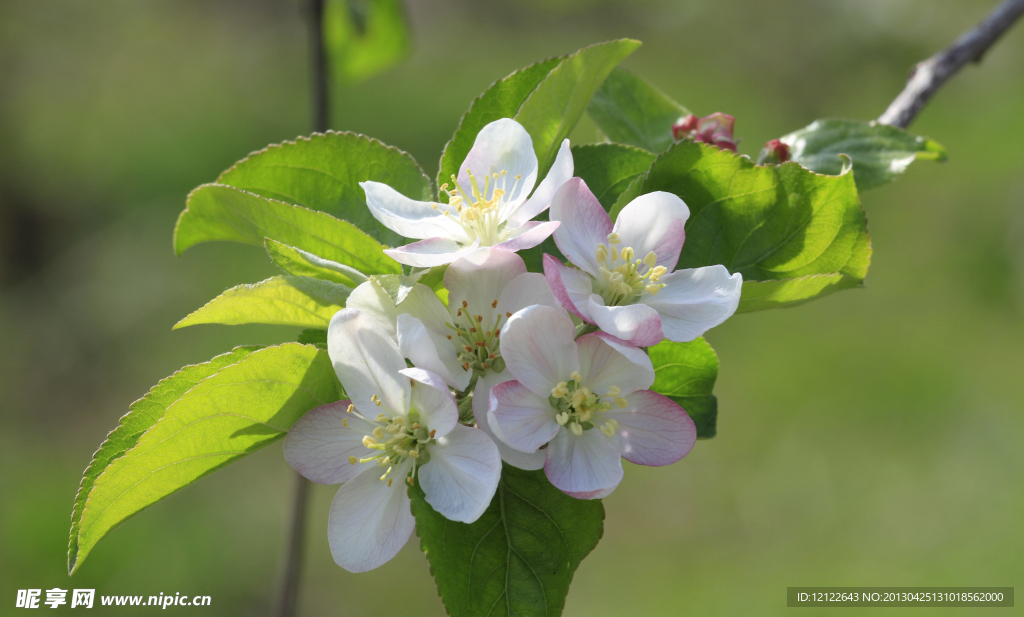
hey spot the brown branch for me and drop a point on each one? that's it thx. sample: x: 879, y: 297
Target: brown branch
x: 928, y: 76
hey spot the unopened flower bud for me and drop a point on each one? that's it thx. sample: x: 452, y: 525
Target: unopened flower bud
x: 684, y: 126
x: 715, y: 129
x: 774, y: 153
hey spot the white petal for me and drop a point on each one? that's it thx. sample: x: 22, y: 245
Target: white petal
x: 367, y: 362
x: 481, y: 404
x: 585, y: 224
x: 478, y: 280
x: 572, y: 286
x: 369, y: 521
x: 319, y: 443
x: 696, y: 300
x: 432, y: 400
x: 521, y: 418
x: 421, y: 303
x: 537, y: 344
x: 653, y: 429
x: 587, y: 466
x: 606, y: 361
x: 526, y: 290
x: 502, y: 145
x: 654, y: 222
x: 430, y: 252
x: 462, y: 474
x: 638, y: 324
x: 559, y: 174
x: 430, y: 351
x: 408, y: 217
x: 529, y: 235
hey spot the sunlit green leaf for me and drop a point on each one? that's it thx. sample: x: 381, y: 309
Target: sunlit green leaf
x: 398, y: 286
x: 302, y: 263
x: 556, y: 105
x: 631, y: 111
x: 322, y: 172
x: 220, y: 212
x: 686, y: 373
x: 280, y: 300
x: 880, y: 152
x: 519, y: 557
x: 194, y: 422
x: 609, y: 168
x: 363, y: 38
x: 761, y: 295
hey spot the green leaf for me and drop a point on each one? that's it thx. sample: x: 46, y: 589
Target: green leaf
x: 631, y: 192
x: 363, y: 39
x: 761, y: 295
x: 519, y: 557
x: 194, y: 422
x: 609, y: 168
x: 686, y: 373
x: 322, y: 172
x: 502, y: 100
x: 553, y: 109
x: 302, y: 263
x: 880, y: 152
x: 312, y: 336
x: 631, y: 111
x: 768, y: 223
x: 398, y: 286
x: 220, y: 212
x: 280, y: 300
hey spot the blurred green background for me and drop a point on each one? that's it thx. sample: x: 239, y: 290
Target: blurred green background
x: 870, y: 438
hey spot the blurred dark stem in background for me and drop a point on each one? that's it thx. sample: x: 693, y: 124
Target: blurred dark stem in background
x: 289, y: 591
x: 928, y: 76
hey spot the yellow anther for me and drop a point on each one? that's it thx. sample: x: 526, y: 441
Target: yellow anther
x: 608, y: 429
x: 654, y: 289
x: 378, y: 402
x: 414, y: 453
x: 384, y: 461
x: 621, y: 402
x: 381, y: 418
x: 374, y: 397
x: 369, y: 442
x: 586, y: 415
x: 390, y: 480
x: 577, y: 398
x: 344, y: 422
x: 613, y: 391
x: 562, y: 418
x: 613, y: 238
x: 560, y: 390
x: 576, y: 429
x: 352, y: 460
x: 651, y: 259
x: 627, y: 253
x: 378, y: 433
x: 393, y: 428
x: 576, y: 376
x: 625, y: 289
x: 350, y: 408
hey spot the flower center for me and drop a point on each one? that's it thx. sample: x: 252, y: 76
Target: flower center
x: 394, y: 439
x: 479, y: 210
x: 477, y: 342
x: 580, y: 409
x: 623, y: 279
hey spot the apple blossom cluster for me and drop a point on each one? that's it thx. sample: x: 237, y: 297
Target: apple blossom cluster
x: 541, y: 371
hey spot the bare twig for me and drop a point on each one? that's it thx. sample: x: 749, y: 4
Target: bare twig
x: 288, y: 594
x: 928, y: 76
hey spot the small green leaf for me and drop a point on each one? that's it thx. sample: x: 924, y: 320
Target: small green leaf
x: 280, y: 300
x: 312, y: 336
x: 631, y: 192
x: 686, y: 373
x: 519, y: 557
x: 552, y: 110
x: 768, y: 223
x: 302, y: 263
x: 220, y: 212
x: 398, y: 286
x: 193, y: 423
x: 880, y: 152
x: 631, y: 111
x: 761, y: 295
x: 363, y: 39
x: 502, y: 100
x: 322, y: 172
x: 609, y: 168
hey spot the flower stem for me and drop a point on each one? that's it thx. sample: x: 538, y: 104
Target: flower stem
x: 585, y: 328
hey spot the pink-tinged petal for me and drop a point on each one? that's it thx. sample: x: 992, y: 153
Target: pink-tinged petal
x: 529, y: 235
x: 638, y: 324
x: 526, y: 290
x: 433, y: 401
x: 696, y: 300
x: 462, y: 474
x: 585, y: 466
x: 521, y: 418
x: 537, y: 344
x: 421, y: 303
x: 571, y: 286
x: 654, y: 222
x: 653, y: 429
x: 605, y: 361
x: 367, y: 362
x: 431, y: 351
x: 585, y: 224
x: 430, y: 252
x: 559, y: 174
x: 481, y: 405
x: 408, y: 217
x: 370, y: 521
x: 478, y: 280
x: 502, y: 146
x: 319, y: 443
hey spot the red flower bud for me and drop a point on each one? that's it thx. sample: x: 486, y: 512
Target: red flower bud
x: 683, y: 127
x: 715, y: 129
x: 773, y: 153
